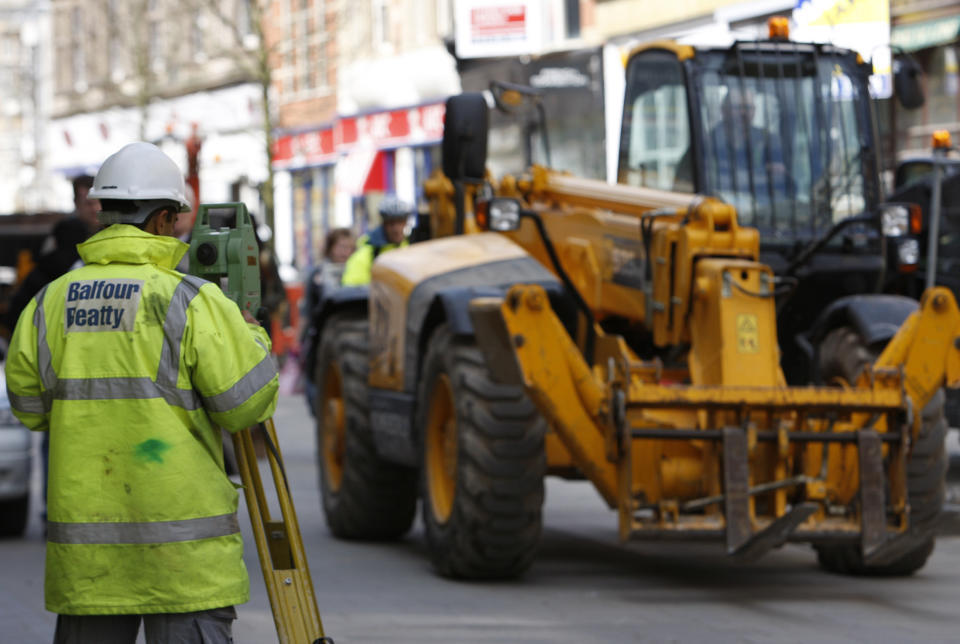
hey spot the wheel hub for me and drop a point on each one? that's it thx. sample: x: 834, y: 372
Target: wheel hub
x: 333, y: 432
x: 441, y: 450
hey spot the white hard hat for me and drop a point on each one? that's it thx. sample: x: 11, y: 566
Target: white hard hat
x: 141, y: 173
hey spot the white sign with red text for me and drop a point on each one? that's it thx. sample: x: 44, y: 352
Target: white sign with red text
x: 493, y: 28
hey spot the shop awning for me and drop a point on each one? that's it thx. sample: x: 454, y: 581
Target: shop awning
x: 920, y: 35
x: 376, y: 175
x: 353, y: 170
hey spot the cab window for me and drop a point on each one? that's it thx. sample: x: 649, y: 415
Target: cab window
x: 656, y: 130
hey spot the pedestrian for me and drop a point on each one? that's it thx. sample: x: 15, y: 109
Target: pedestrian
x: 58, y: 255
x: 337, y: 248
x: 85, y: 207
x: 323, y: 278
x: 389, y: 235
x: 131, y: 366
x: 61, y: 257
x: 745, y: 166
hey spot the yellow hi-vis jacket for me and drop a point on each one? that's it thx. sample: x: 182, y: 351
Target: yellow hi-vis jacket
x: 356, y: 272
x: 131, y: 366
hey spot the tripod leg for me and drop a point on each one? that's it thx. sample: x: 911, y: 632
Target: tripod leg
x: 279, y: 544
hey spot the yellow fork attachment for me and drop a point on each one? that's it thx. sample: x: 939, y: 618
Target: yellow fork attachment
x: 279, y: 545
x: 927, y: 348
x: 610, y: 425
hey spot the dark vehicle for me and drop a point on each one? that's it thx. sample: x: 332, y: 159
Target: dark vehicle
x: 916, y: 182
x: 919, y: 181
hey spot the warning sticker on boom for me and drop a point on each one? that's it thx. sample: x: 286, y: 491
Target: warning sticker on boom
x: 748, y: 333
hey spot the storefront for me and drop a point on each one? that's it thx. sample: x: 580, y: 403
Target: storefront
x: 337, y: 174
x: 929, y: 33
x: 309, y: 158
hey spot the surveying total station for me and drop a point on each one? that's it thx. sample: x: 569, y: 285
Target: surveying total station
x: 223, y: 250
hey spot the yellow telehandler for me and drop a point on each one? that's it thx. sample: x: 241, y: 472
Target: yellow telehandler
x: 696, y: 341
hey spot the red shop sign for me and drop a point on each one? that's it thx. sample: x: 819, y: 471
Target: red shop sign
x: 396, y: 128
x: 312, y: 147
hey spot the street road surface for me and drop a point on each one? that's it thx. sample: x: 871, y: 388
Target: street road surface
x: 584, y: 587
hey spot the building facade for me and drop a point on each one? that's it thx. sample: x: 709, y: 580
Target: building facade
x: 301, y: 36
x: 159, y: 70
x: 928, y: 32
x: 375, y: 126
x: 24, y: 87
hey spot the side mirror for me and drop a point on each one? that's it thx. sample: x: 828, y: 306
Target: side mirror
x: 465, y: 127
x: 512, y: 97
x: 911, y: 171
x: 907, y: 85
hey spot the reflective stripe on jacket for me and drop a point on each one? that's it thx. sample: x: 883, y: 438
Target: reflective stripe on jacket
x: 131, y: 366
x: 356, y: 272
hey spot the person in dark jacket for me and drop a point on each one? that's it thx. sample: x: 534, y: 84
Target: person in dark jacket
x: 67, y: 233
x: 323, y: 278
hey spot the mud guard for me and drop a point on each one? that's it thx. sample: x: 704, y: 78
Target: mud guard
x: 353, y: 298
x: 876, y: 318
x: 392, y: 412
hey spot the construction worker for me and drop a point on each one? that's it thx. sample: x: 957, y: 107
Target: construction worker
x: 389, y: 235
x: 131, y: 366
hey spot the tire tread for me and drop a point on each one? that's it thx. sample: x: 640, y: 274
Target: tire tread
x: 377, y: 499
x: 495, y: 527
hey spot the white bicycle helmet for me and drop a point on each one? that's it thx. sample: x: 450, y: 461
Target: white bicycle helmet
x: 140, y: 173
x: 393, y: 208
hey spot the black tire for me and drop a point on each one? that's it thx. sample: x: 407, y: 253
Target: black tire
x: 13, y: 516
x: 366, y: 497
x: 493, y: 526
x: 843, y: 355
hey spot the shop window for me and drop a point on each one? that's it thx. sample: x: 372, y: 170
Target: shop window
x: 302, y: 251
x: 313, y: 213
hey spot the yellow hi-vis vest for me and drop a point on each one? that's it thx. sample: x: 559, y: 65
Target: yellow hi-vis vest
x: 356, y: 272
x: 131, y: 366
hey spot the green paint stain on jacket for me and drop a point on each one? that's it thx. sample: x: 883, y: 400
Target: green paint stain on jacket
x: 151, y: 450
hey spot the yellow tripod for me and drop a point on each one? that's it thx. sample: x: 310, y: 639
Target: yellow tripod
x: 224, y: 246
x: 279, y: 545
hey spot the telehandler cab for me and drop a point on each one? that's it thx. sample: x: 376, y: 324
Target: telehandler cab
x: 628, y: 334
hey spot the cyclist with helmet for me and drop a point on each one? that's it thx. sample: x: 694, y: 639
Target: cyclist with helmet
x: 131, y: 367
x: 387, y: 236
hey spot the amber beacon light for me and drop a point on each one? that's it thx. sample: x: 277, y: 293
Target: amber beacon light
x: 941, y: 139
x: 778, y: 28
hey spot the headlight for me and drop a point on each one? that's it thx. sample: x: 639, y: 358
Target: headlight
x: 908, y: 251
x: 504, y: 214
x: 895, y: 220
